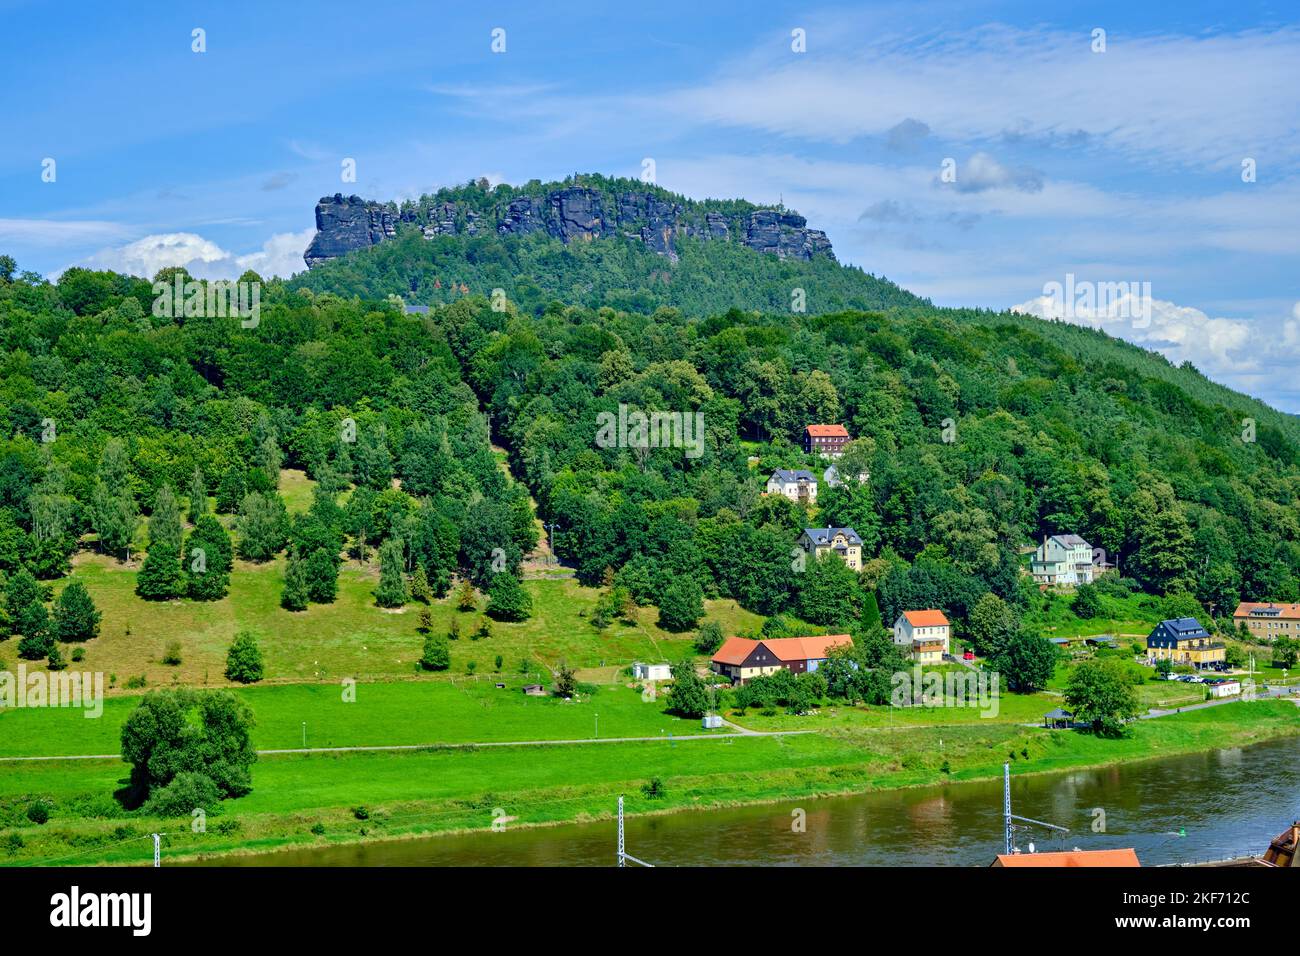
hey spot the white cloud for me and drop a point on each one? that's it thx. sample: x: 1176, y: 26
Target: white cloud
x: 55, y: 232
x: 281, y: 255
x: 1217, y: 346
x: 1146, y: 96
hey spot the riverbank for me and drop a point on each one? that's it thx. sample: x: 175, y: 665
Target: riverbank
x: 324, y: 800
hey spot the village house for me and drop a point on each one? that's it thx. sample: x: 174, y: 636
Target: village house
x: 799, y: 486
x: 741, y: 659
x: 923, y: 635
x: 833, y: 480
x: 1063, y: 559
x: 842, y: 542
x: 825, y: 440
x: 1267, y: 622
x: 1184, y: 641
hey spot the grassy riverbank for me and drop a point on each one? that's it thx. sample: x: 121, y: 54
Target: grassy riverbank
x: 328, y: 799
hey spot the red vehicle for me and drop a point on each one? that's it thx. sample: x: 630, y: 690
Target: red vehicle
x: 969, y: 655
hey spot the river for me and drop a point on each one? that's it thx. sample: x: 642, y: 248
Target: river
x: 1210, y: 805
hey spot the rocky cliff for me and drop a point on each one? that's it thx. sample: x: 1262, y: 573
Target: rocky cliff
x: 569, y: 212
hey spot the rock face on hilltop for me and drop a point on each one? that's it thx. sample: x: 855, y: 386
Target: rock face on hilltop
x: 344, y: 224
x: 570, y: 213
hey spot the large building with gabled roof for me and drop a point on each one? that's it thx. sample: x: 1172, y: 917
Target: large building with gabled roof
x: 742, y: 659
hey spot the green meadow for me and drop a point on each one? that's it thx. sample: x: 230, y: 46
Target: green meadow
x: 433, y: 711
x: 332, y: 798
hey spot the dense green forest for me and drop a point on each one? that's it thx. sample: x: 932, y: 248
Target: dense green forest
x: 980, y: 432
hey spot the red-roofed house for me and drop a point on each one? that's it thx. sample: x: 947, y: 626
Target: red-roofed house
x: 1105, y: 858
x: 742, y: 659
x: 825, y: 440
x: 1268, y: 622
x: 923, y: 635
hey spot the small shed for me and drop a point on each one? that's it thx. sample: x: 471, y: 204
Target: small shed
x: 711, y: 721
x: 642, y: 671
x: 534, y: 690
x: 1057, y: 719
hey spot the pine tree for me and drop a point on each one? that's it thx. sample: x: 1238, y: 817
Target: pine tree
x: 420, y: 590
x: 231, y: 489
x: 295, y: 595
x: 507, y: 599
x: 391, y: 591
x: 207, y: 560
x: 25, y: 607
x: 426, y: 621
x: 75, y: 616
x: 160, y: 577
x: 198, y: 495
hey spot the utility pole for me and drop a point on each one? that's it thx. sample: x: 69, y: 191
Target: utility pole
x: 1008, y: 816
x: 1006, y: 805
x: 157, y: 850
x: 623, y: 855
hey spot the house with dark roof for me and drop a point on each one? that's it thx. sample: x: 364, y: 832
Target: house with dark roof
x: 742, y: 659
x: 844, y: 543
x: 1063, y: 559
x: 799, y: 486
x: 825, y: 440
x: 1184, y: 641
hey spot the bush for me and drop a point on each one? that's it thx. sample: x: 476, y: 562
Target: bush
x: 187, y: 792
x: 172, y: 656
x: 654, y: 789
x: 708, y: 638
x: 244, y: 659
x: 38, y: 813
x: 437, y: 654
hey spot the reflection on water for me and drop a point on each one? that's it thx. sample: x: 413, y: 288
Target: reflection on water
x: 1229, y: 802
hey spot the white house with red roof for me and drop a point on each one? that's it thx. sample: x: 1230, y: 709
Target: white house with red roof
x: 742, y: 659
x: 923, y: 635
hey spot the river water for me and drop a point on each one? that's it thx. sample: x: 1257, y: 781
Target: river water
x: 1209, y: 805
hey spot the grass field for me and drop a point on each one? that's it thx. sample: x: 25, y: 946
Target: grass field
x: 1128, y: 617
x: 432, y: 711
x: 351, y: 637
x: 443, y: 790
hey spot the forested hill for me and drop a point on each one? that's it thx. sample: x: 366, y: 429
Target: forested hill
x: 589, y: 241
x: 980, y: 433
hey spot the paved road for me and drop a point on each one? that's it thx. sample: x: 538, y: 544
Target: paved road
x: 740, y: 732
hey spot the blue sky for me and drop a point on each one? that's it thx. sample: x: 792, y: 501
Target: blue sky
x: 1120, y: 165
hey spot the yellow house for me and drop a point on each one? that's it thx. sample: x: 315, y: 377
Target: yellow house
x: 1184, y: 641
x: 1268, y: 622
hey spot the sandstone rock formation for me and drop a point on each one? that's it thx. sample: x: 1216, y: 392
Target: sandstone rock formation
x: 569, y: 213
